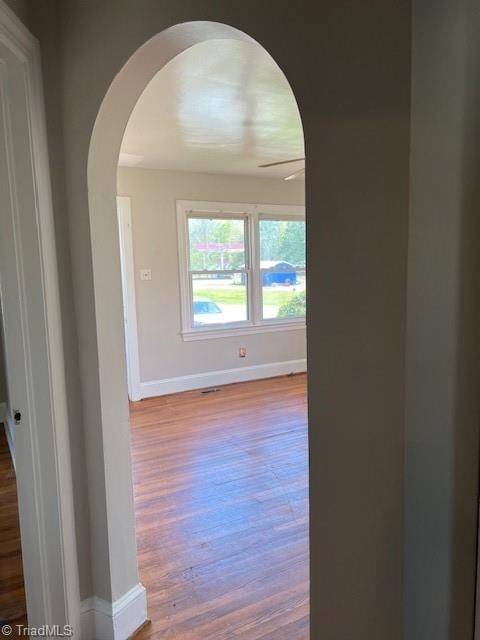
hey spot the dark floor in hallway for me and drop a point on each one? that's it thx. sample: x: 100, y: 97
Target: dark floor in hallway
x: 12, y: 592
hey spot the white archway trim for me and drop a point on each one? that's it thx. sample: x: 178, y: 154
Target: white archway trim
x: 102, y: 176
x: 107, y: 408
x: 51, y: 569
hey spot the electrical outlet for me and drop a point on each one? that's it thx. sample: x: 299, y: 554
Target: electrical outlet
x: 242, y: 352
x: 145, y: 274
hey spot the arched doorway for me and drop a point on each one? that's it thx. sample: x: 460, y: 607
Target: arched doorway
x: 102, y: 166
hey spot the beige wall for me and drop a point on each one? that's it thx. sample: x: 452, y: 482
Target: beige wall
x: 44, y: 23
x: 3, y: 381
x: 443, y: 355
x: 3, y: 373
x: 20, y: 7
x: 349, y: 64
x: 350, y: 68
x: 163, y: 352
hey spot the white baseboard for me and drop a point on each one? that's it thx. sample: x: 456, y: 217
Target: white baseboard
x: 6, y: 418
x: 102, y: 620
x: 87, y: 619
x: 217, y: 378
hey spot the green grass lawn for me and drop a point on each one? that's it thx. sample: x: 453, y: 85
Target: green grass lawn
x: 237, y: 296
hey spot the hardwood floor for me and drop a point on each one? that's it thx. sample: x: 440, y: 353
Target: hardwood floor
x: 12, y: 593
x: 221, y: 500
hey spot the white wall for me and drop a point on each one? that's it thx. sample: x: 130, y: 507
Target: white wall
x: 163, y: 352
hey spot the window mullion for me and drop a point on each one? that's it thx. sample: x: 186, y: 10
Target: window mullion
x: 248, y: 265
x: 213, y: 272
x: 255, y: 285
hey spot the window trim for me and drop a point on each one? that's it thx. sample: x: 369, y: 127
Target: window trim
x: 253, y: 213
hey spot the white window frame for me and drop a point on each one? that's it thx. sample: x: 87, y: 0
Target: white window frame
x: 253, y: 214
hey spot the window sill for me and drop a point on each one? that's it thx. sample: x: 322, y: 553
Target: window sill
x: 227, y: 332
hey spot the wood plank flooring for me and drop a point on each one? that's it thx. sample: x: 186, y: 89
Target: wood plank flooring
x: 13, y: 608
x: 221, y: 501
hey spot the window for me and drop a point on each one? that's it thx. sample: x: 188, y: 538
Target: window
x: 218, y: 271
x: 282, y: 267
x: 242, y: 268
